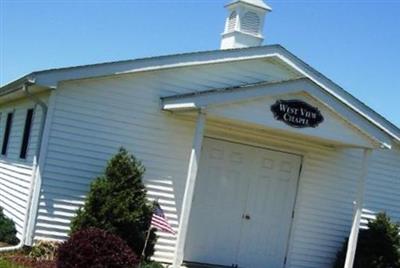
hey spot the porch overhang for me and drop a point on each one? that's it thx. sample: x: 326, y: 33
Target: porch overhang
x: 218, y: 97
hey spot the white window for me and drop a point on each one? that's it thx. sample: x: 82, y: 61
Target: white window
x: 251, y: 23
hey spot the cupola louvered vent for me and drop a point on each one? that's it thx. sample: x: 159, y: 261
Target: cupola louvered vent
x: 232, y: 22
x: 251, y: 23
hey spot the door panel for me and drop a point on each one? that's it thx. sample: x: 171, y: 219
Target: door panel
x: 270, y: 203
x: 221, y: 189
x: 234, y: 181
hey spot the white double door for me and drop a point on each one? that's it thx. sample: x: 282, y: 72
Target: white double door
x: 242, y: 208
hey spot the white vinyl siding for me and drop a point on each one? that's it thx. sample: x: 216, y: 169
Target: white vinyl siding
x: 16, y: 173
x: 324, y: 213
x: 383, y: 185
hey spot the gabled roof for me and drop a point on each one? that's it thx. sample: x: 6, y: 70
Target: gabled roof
x: 51, y: 78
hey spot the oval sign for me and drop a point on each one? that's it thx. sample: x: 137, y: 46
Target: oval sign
x: 297, y: 113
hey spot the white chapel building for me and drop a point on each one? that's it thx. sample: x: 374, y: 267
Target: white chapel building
x: 257, y: 159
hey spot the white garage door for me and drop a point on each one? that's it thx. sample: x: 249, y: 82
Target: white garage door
x: 242, y: 208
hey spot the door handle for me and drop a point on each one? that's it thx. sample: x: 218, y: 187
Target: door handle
x: 246, y: 216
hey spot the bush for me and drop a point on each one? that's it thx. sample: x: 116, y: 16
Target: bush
x: 151, y: 265
x: 377, y: 247
x: 43, y: 250
x: 95, y: 248
x: 8, y: 233
x: 117, y: 203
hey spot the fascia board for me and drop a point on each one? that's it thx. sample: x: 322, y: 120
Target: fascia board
x: 348, y: 100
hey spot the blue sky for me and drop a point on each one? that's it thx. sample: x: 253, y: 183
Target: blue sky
x: 355, y: 43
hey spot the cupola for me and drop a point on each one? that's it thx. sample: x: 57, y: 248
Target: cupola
x: 244, y: 24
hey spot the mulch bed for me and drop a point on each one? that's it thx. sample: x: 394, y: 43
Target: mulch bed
x: 30, y: 262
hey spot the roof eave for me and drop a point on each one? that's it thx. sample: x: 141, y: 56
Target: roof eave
x: 17, y: 85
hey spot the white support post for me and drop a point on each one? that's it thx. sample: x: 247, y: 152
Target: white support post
x: 353, y: 238
x: 189, y: 189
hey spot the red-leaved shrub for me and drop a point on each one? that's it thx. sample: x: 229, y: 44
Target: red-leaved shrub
x: 95, y: 248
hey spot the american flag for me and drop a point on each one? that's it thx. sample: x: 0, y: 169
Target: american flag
x: 159, y: 221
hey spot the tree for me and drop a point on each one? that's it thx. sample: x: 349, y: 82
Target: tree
x: 377, y: 247
x: 117, y: 203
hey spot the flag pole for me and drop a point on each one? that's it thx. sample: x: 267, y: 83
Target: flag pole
x: 142, y: 257
x: 145, y: 243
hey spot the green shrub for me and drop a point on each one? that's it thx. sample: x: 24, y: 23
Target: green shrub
x: 44, y: 250
x: 117, y: 203
x: 8, y: 233
x: 95, y: 248
x: 377, y: 247
x: 151, y: 265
